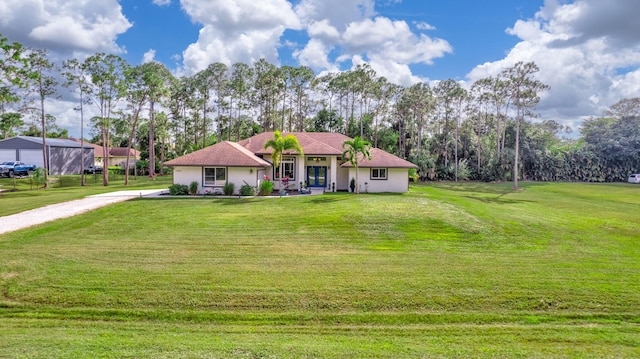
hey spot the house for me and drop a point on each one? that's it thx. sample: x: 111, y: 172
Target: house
x: 63, y: 156
x: 321, y: 167
x: 117, y: 156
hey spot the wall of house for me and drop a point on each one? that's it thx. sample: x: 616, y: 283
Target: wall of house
x: 236, y: 175
x: 239, y: 175
x: 397, y: 180
x: 187, y: 174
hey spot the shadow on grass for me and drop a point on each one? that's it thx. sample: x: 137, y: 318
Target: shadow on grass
x: 498, y: 200
x: 501, y: 188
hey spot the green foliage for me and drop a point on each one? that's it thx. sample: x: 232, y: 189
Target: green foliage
x: 247, y: 190
x: 266, y: 187
x: 280, y: 144
x: 178, y: 189
x: 413, y: 175
x: 39, y: 176
x: 229, y: 188
x: 551, y: 271
x: 193, y: 188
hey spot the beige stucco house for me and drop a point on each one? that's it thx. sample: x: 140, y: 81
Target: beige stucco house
x: 320, y: 168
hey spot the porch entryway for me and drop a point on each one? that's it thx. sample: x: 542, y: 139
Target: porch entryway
x: 317, y: 176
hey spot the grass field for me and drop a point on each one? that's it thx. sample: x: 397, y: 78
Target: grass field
x: 66, y: 188
x: 447, y: 270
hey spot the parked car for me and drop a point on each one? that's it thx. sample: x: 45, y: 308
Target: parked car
x: 634, y: 178
x: 16, y: 168
x: 93, y: 169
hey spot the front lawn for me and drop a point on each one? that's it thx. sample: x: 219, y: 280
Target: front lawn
x: 447, y: 270
x: 22, y: 194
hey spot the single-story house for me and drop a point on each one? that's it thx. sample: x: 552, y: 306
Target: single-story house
x: 321, y: 167
x: 63, y: 156
x: 117, y: 156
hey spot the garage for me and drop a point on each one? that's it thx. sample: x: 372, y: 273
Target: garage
x: 33, y: 157
x: 7, y: 155
x: 64, y: 156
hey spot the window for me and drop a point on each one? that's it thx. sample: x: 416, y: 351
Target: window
x: 287, y: 168
x: 378, y: 173
x: 215, y: 176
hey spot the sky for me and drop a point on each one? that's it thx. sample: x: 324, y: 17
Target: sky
x: 588, y: 51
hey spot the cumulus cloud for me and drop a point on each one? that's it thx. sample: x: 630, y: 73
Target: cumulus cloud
x: 64, y: 26
x: 149, y: 56
x: 584, y: 50
x: 352, y: 30
x: 237, y: 31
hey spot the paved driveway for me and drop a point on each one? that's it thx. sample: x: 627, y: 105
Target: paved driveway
x: 52, y: 212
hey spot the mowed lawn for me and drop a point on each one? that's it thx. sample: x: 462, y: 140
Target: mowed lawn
x: 447, y: 270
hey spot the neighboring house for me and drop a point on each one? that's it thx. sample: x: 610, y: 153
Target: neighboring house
x: 63, y: 156
x: 117, y: 156
x: 321, y: 167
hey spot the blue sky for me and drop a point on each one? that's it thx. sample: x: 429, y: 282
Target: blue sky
x: 588, y: 51
x: 466, y: 25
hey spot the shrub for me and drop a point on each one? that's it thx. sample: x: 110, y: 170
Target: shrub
x: 352, y: 185
x: 266, y: 187
x: 413, y: 175
x: 178, y: 190
x: 193, y: 188
x: 246, y: 190
x: 229, y: 188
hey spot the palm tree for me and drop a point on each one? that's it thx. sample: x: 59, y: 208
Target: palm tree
x: 279, y: 145
x: 352, y: 151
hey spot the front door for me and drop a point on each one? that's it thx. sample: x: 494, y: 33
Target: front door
x: 316, y: 176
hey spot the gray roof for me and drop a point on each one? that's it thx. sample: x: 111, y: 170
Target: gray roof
x: 53, y: 142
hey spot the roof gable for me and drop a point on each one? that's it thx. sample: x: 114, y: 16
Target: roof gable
x: 312, y: 143
x: 381, y: 159
x: 226, y: 154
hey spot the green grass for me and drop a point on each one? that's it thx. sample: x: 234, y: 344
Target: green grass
x: 23, y: 193
x: 447, y: 270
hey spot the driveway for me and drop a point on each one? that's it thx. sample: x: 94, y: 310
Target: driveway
x: 52, y: 212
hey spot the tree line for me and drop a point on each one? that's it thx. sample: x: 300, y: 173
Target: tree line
x: 487, y: 131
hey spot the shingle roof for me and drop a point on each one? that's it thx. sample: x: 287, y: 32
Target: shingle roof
x: 113, y: 151
x: 243, y: 153
x: 122, y: 152
x: 228, y: 154
x: 381, y: 159
x: 312, y: 143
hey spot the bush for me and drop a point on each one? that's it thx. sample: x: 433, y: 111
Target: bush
x: 193, y: 188
x: 266, y: 187
x: 352, y: 185
x: 246, y: 190
x: 229, y: 188
x: 178, y: 190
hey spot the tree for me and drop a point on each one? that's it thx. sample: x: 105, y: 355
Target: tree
x: 352, y: 150
x: 156, y: 80
x: 279, y: 145
x: 524, y: 91
x: 13, y: 63
x: 627, y: 107
x: 76, y: 77
x: 45, y: 84
x: 108, y: 84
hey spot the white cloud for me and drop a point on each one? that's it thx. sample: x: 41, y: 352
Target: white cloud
x: 339, y: 13
x: 149, y: 56
x: 64, y: 26
x: 424, y: 26
x: 162, y: 2
x: 584, y: 50
x: 237, y: 31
